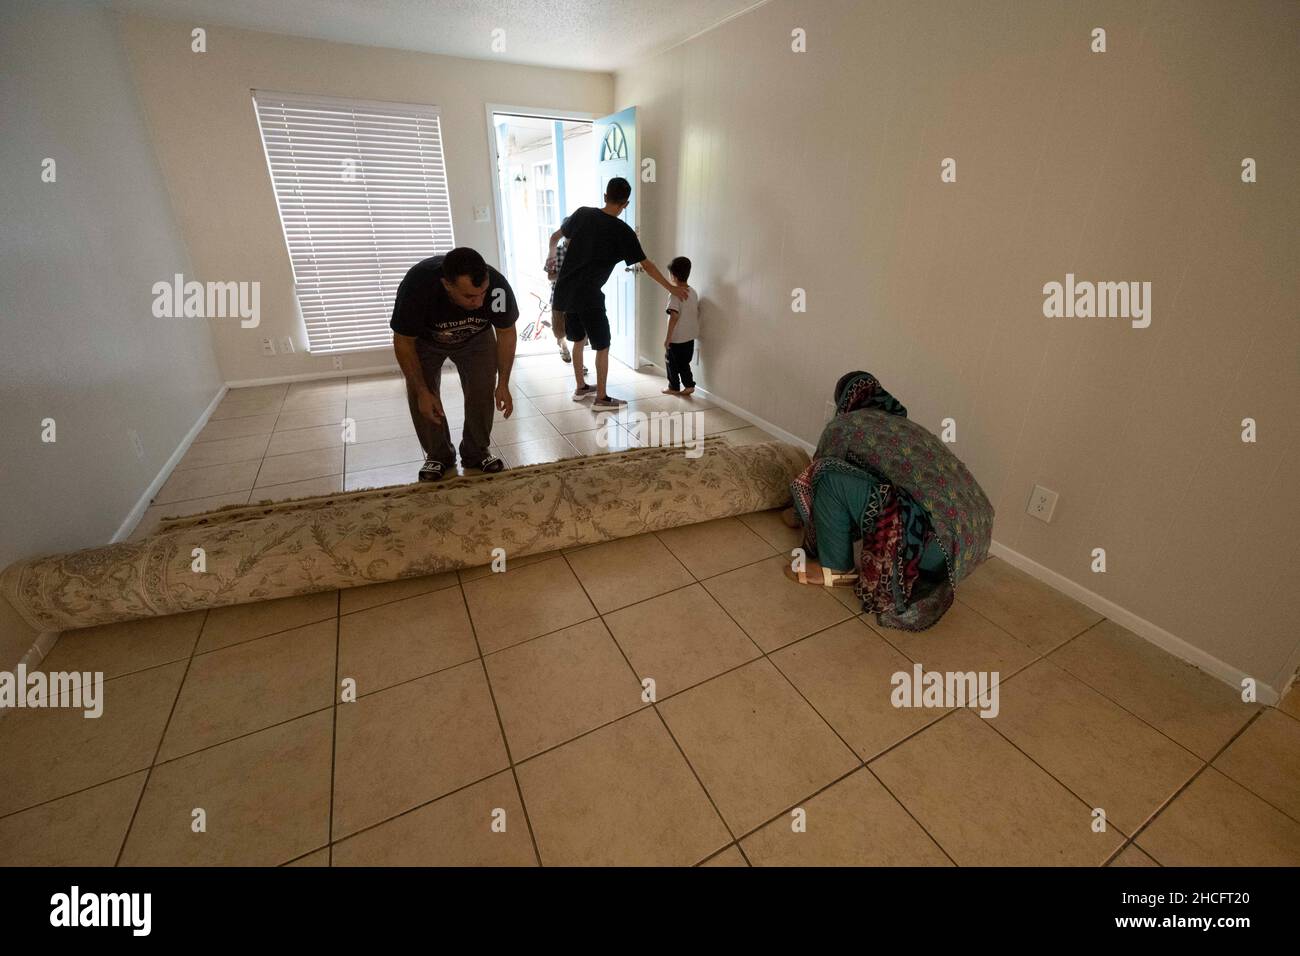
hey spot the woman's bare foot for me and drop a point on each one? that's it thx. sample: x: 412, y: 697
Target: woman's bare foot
x: 689, y: 391
x: 672, y: 391
x: 790, y: 519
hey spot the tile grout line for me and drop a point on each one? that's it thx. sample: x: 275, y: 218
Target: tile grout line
x: 1041, y: 658
x: 501, y: 728
x: 279, y: 410
x: 654, y: 704
x: 1045, y: 657
x: 1096, y: 690
x: 1207, y: 765
x: 764, y: 656
x: 560, y: 554
x: 261, y: 637
x: 606, y: 723
x: 714, y: 856
x: 180, y: 686
x: 893, y: 796
x: 334, y: 727
x: 864, y: 763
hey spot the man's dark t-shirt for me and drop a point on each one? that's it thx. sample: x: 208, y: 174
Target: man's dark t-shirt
x: 597, y: 242
x: 424, y: 310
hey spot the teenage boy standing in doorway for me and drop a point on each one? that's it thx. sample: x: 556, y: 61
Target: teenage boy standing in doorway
x: 598, y: 241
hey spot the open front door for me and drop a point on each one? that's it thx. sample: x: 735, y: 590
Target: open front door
x: 616, y: 155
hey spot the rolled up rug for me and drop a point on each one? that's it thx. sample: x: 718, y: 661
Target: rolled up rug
x: 260, y: 552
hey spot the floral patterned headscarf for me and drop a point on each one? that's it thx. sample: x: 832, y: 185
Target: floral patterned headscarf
x: 863, y: 390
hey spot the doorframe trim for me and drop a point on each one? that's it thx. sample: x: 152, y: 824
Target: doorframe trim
x: 533, y: 112
x: 634, y: 158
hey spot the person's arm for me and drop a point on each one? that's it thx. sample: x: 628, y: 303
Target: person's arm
x: 503, y: 323
x: 430, y: 405
x: 556, y: 236
x: 549, y: 265
x: 653, y: 272
x: 506, y: 339
x: 673, y: 316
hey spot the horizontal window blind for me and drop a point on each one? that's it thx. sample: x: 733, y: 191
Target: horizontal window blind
x: 362, y: 193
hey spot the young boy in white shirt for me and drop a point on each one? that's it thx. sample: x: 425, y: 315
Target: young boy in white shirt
x: 683, y: 329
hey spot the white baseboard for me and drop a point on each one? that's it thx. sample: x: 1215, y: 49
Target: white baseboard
x: 46, y: 640
x: 1266, y: 693
x: 42, y: 646
x: 1171, y: 643
x: 136, y: 513
x: 313, y: 376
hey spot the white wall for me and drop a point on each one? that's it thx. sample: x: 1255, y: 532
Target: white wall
x: 820, y: 171
x: 78, y: 258
x: 201, y: 115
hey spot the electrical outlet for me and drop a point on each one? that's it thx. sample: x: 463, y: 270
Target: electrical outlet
x: 338, y: 363
x: 136, y: 444
x: 268, y: 346
x: 1042, y: 503
x: 286, y: 345
x: 481, y: 214
x: 830, y: 412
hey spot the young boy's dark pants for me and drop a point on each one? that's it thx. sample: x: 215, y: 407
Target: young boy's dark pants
x: 678, y: 359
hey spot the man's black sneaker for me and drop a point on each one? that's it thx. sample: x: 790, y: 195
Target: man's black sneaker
x: 491, y: 465
x: 609, y: 401
x: 432, y: 470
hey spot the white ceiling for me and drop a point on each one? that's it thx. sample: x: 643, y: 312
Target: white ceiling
x: 601, y: 35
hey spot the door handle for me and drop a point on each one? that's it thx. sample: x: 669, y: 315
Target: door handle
x: 635, y: 268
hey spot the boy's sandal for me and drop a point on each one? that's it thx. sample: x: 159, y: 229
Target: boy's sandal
x: 828, y: 578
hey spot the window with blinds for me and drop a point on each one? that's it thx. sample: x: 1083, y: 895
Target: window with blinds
x: 362, y: 193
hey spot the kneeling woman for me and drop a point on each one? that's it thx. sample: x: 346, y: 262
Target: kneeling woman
x: 880, y: 478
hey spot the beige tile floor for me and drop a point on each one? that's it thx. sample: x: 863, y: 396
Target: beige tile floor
x: 517, y: 699
x: 274, y: 442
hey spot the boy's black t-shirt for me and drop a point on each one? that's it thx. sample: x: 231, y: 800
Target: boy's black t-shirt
x: 597, y: 243
x: 423, y: 309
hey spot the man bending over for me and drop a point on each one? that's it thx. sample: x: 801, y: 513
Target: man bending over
x: 457, y: 307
